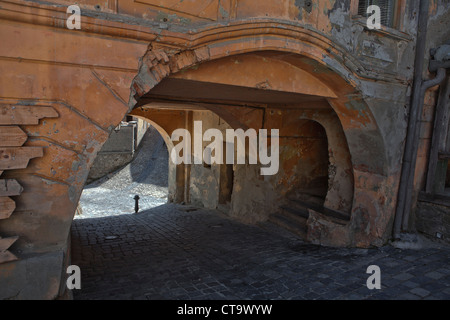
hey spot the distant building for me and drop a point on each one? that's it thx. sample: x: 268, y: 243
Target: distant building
x: 119, y: 150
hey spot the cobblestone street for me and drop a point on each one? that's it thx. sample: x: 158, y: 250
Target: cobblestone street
x: 176, y: 252
x: 169, y: 251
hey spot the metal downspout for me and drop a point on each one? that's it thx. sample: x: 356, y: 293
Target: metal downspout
x: 441, y: 75
x: 413, y: 116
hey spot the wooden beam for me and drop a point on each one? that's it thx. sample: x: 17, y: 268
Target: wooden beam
x: 7, y: 207
x: 10, y: 187
x: 222, y: 112
x: 5, y: 243
x: 171, y: 106
x: 12, y: 137
x: 25, y: 115
x: 18, y: 158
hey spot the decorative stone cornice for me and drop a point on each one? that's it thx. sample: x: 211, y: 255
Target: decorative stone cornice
x: 182, y: 38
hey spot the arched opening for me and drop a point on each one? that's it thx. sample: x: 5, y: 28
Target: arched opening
x: 108, y: 235
x: 248, y: 87
x: 260, y: 91
x: 131, y: 163
x: 208, y: 185
x: 316, y: 169
x: 312, y: 164
x: 244, y: 83
x: 173, y: 89
x: 303, y: 183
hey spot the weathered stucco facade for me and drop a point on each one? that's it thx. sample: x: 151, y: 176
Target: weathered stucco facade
x: 338, y: 92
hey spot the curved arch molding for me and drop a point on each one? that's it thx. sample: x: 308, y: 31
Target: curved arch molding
x: 316, y: 55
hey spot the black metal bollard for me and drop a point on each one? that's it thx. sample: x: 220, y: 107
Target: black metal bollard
x: 136, y: 203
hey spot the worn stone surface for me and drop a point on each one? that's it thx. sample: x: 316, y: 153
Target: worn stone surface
x: 107, y: 163
x: 177, y: 252
x: 35, y: 277
x: 433, y: 219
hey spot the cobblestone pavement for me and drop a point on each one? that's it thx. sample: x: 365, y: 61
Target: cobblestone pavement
x: 174, y: 252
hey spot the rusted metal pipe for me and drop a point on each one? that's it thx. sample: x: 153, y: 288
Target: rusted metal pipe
x: 440, y: 77
x: 422, y: 28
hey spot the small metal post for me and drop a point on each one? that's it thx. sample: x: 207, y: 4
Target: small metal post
x: 136, y: 204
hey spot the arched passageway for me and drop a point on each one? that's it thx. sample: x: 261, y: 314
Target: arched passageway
x: 312, y: 164
x: 271, y: 90
x: 145, y: 176
x: 255, y: 77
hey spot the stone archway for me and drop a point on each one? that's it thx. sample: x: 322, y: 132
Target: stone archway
x: 313, y: 55
x: 310, y: 179
x: 183, y: 178
x: 163, y: 126
x: 95, y: 104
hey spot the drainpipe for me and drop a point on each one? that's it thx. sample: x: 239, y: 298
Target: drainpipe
x: 441, y: 74
x: 413, y: 115
x: 404, y: 201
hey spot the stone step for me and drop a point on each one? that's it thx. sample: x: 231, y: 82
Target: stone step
x: 307, y: 198
x: 345, y: 217
x: 293, y: 215
x: 291, y: 224
x: 296, y: 212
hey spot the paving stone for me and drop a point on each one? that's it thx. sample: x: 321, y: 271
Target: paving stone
x: 403, y: 276
x: 410, y: 284
x: 169, y: 253
x: 408, y: 296
x: 420, y: 292
x: 434, y: 275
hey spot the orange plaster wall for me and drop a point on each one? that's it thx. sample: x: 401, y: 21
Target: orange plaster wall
x: 86, y: 79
